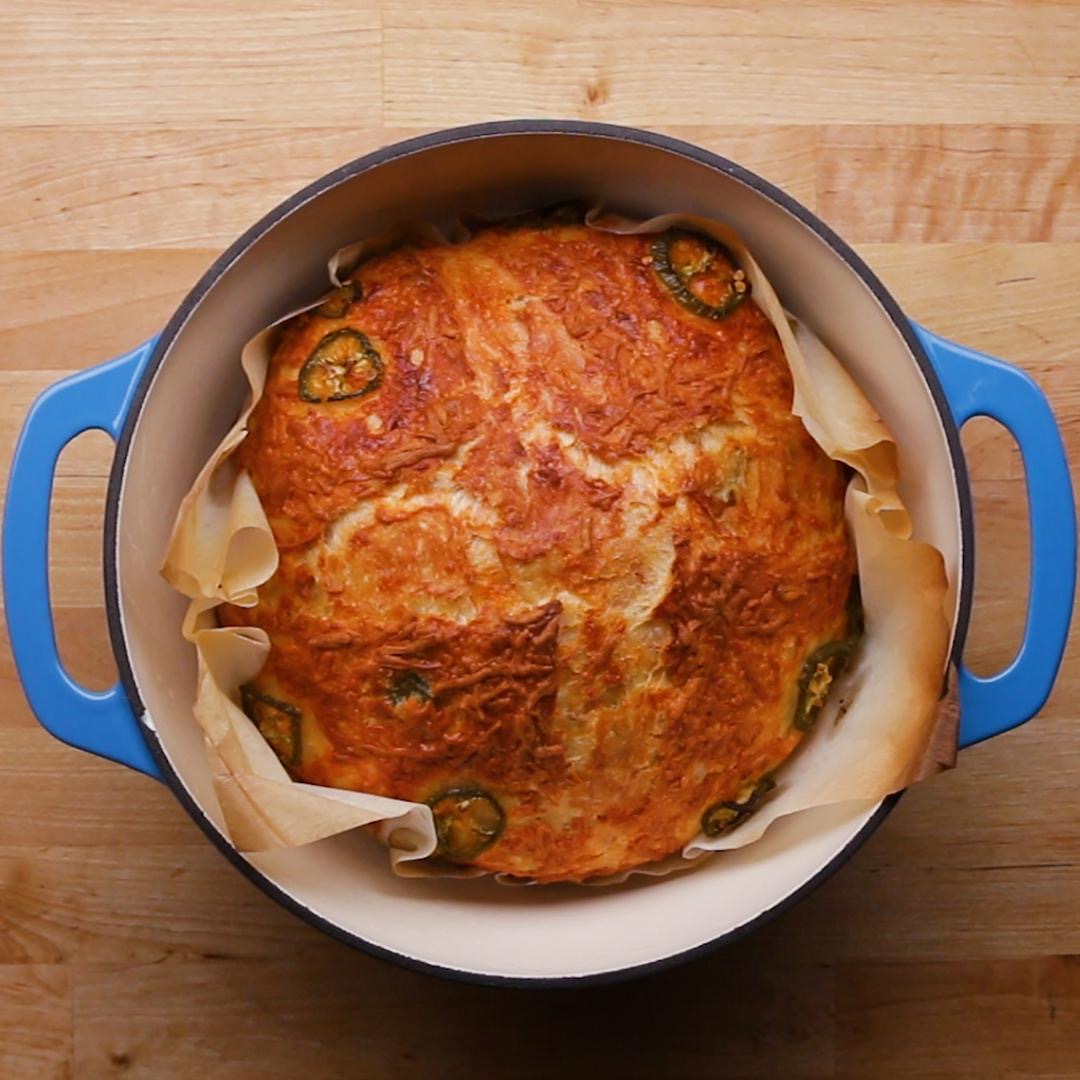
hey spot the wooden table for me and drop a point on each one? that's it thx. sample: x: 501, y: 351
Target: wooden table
x: 137, y: 140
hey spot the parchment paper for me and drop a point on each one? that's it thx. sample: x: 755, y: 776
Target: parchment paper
x: 886, y: 723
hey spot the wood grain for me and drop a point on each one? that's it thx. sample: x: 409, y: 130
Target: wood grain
x: 930, y: 183
x: 35, y: 1021
x: 666, y: 63
x: 363, y: 1023
x: 928, y: 1020
x: 190, y: 64
x: 136, y: 141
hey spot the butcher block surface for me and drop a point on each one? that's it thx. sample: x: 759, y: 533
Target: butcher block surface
x: 137, y: 141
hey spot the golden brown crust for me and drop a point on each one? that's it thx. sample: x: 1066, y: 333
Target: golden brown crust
x: 581, y: 523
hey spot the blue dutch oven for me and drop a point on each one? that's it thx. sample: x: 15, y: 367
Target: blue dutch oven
x: 168, y: 402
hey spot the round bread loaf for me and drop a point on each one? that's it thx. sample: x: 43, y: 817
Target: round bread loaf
x: 556, y: 557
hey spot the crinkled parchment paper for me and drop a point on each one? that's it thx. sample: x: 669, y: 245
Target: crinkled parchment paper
x: 886, y: 723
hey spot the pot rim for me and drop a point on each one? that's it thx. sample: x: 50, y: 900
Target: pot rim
x: 406, y: 148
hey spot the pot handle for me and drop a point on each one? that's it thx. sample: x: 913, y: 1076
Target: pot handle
x: 99, y: 721
x: 979, y: 385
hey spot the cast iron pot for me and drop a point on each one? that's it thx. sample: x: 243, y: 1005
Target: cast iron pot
x: 168, y: 402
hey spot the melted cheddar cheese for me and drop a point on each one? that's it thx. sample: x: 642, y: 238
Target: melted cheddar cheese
x: 567, y: 553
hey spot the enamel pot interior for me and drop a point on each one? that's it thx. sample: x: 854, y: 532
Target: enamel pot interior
x: 194, y: 389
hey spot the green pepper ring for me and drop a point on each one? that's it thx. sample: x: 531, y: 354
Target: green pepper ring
x: 250, y: 699
x: 337, y: 304
x: 409, y: 683
x: 320, y: 355
x: 676, y: 282
x: 444, y: 821
x: 722, y: 816
x: 835, y: 655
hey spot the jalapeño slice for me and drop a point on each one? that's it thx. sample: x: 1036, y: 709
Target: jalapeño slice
x: 337, y: 304
x: 722, y: 816
x: 698, y: 272
x: 819, y: 672
x: 467, y: 822
x: 407, y: 684
x: 278, y: 723
x: 343, y: 365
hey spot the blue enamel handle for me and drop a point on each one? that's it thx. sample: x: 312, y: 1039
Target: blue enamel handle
x: 978, y: 385
x: 101, y: 722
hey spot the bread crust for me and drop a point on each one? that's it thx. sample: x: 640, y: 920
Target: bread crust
x: 572, y: 551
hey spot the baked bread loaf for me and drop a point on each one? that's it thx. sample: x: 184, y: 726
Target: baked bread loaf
x: 556, y: 558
